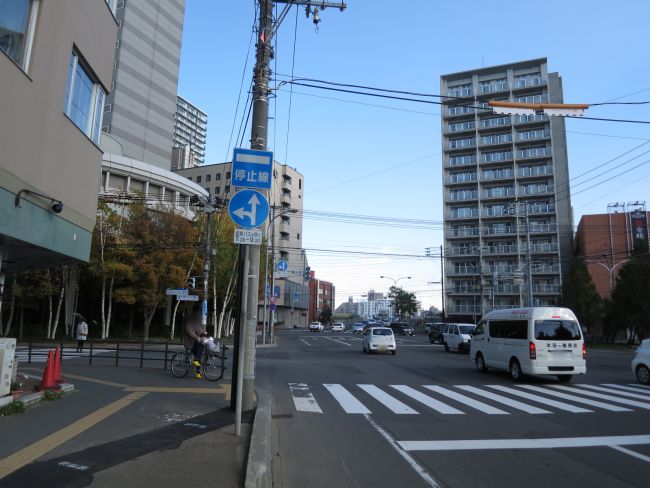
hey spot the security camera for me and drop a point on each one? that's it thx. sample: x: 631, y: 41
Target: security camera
x: 56, y: 207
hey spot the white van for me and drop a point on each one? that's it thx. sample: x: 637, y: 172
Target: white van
x: 530, y: 341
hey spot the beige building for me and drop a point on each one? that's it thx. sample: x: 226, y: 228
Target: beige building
x: 56, y: 61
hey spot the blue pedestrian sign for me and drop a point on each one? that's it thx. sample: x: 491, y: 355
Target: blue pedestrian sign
x: 252, y: 169
x: 248, y: 209
x: 282, y: 265
x: 276, y: 291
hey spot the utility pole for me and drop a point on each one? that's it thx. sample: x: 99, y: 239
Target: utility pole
x: 529, y: 261
x: 442, y: 283
x: 209, y: 209
x: 259, y: 131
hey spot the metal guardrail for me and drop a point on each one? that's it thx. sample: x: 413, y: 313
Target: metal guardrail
x: 121, y: 350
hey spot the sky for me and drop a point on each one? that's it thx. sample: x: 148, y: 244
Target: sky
x: 382, y: 158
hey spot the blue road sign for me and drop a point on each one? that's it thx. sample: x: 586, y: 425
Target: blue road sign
x: 276, y: 291
x: 252, y: 169
x: 248, y: 209
x: 282, y: 265
x: 272, y: 306
x: 204, y: 309
x: 296, y: 297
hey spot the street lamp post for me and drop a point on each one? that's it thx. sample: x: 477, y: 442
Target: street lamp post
x: 395, y: 280
x: 610, y: 271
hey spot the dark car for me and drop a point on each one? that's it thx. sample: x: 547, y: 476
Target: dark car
x: 402, y: 328
x: 436, y: 330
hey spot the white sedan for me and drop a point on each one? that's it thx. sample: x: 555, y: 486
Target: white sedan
x: 641, y: 363
x: 338, y: 327
x: 379, y: 339
x: 316, y: 327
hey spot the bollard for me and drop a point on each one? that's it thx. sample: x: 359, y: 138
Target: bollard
x: 117, y: 353
x: 141, y: 353
x: 90, y: 357
x: 29, y: 353
x: 166, y: 353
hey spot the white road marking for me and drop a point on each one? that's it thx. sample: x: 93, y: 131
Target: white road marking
x: 548, y: 443
x: 303, y: 398
x: 637, y: 385
x: 536, y: 398
x: 470, y: 402
x: 389, y: 401
x: 627, y: 388
x: 505, y: 400
x: 577, y: 399
x: 427, y: 400
x: 624, y: 401
x: 303, y: 340
x: 334, y: 340
x: 640, y: 396
x: 347, y: 401
x: 629, y: 452
x: 426, y: 477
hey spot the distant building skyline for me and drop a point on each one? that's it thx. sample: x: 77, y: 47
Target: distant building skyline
x: 190, y: 132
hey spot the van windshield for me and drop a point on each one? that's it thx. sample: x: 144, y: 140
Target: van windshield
x: 466, y: 329
x: 557, y: 330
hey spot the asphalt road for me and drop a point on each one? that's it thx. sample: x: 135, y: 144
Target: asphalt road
x: 426, y: 418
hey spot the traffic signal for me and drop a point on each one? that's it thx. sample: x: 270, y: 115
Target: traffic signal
x: 191, y: 282
x: 307, y: 274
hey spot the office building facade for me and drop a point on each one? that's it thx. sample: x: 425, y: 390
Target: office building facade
x: 139, y: 111
x: 190, y: 131
x: 496, y: 169
x: 55, y: 63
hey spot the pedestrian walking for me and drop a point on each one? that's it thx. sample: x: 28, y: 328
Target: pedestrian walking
x: 82, y: 334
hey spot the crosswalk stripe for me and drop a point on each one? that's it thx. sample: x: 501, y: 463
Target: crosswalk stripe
x: 389, y: 401
x: 636, y: 385
x: 627, y: 388
x: 640, y: 396
x: 303, y: 399
x: 573, y: 398
x: 347, y: 401
x: 427, y: 400
x: 505, y: 400
x: 536, y: 398
x: 470, y: 402
x: 602, y: 396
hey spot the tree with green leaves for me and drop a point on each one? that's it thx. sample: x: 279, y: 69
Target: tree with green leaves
x: 630, y: 305
x: 405, y: 303
x: 580, y: 295
x: 325, y: 315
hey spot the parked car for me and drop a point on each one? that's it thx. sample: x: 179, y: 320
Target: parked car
x: 338, y: 327
x: 357, y: 328
x: 457, y: 337
x: 379, y: 339
x: 316, y: 327
x: 641, y: 362
x: 436, y: 329
x: 402, y: 328
x: 530, y: 341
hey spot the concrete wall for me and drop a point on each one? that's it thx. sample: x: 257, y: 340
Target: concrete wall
x: 43, y: 150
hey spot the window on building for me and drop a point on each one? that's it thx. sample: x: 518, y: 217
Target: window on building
x: 300, y: 184
x: 298, y: 236
x: 227, y: 189
x: 228, y: 175
x: 217, y: 190
x: 189, y: 178
x: 207, y: 188
x: 198, y: 179
x: 18, y: 21
x: 84, y: 99
x: 208, y: 178
x: 217, y: 177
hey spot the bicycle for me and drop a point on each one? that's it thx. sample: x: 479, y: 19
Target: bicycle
x: 212, y: 364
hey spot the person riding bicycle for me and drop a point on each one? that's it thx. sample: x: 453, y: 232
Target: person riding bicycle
x: 195, y: 340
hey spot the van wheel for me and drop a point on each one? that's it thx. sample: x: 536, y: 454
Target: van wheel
x: 643, y: 374
x: 446, y: 347
x: 564, y: 378
x: 515, y: 370
x: 480, y: 363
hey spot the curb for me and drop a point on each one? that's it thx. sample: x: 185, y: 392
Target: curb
x: 258, y: 468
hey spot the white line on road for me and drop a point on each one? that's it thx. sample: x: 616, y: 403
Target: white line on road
x: 389, y: 401
x: 505, y: 400
x: 426, y: 477
x: 629, y: 452
x: 470, y: 402
x: 303, y: 399
x: 347, y: 401
x: 548, y: 443
x: 627, y: 388
x: 427, y: 400
x: 539, y: 399
x: 624, y: 401
x: 303, y: 340
x: 340, y: 342
x: 577, y: 399
x: 640, y: 396
x: 636, y: 385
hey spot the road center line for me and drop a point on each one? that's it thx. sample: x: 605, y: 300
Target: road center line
x: 39, y: 448
x: 548, y: 443
x: 334, y: 340
x: 303, y: 340
x: 426, y: 477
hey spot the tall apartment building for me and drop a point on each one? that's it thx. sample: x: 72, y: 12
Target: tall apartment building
x: 190, y: 130
x: 322, y: 295
x: 55, y: 66
x: 139, y: 112
x: 495, y: 168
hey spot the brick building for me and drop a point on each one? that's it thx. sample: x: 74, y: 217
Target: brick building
x: 321, y: 296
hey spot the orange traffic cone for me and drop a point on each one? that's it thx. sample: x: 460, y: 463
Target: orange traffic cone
x: 58, y: 375
x: 48, y: 382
